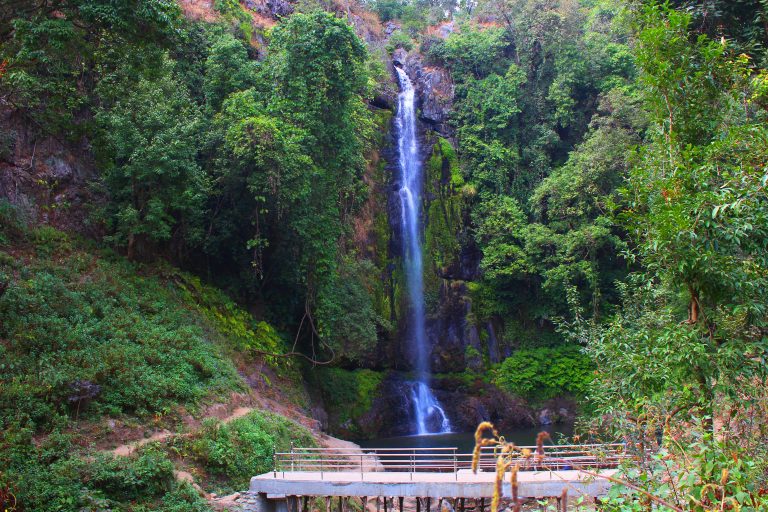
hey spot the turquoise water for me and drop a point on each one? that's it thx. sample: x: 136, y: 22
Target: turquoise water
x: 465, y: 442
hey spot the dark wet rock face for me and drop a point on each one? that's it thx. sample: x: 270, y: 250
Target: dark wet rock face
x: 466, y: 406
x: 392, y: 409
x: 434, y: 89
x: 451, y: 333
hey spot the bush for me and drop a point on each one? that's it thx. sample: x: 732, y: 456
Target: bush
x: 12, y: 225
x: 93, y: 337
x: 399, y: 39
x: 543, y: 373
x: 7, y: 144
x: 50, y: 241
x: 348, y: 394
x: 54, y: 476
x: 243, y: 448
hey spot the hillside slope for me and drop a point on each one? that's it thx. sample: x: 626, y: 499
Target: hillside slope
x: 98, y: 352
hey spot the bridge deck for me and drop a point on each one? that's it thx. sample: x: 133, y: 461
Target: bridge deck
x: 464, y: 484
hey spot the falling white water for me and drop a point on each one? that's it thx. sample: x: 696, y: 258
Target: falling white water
x: 430, y: 416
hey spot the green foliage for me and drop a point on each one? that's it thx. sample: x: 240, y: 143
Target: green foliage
x: 389, y: 9
x: 237, y: 328
x: 500, y: 224
x: 444, y: 217
x: 205, y: 155
x: 237, y: 15
x: 7, y: 143
x: 543, y: 373
x: 346, y: 311
x: 690, y: 333
x: 12, y: 223
x: 545, y: 119
x: 233, y: 452
x: 149, y: 137
x: 472, y: 52
x: 698, y: 218
x: 227, y: 69
x: 51, y: 53
x: 698, y: 474
x: 54, y: 475
x: 399, y: 39
x: 50, y: 242
x: 348, y: 395
x: 90, y: 336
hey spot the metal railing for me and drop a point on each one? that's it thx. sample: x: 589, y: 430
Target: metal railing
x: 446, y: 460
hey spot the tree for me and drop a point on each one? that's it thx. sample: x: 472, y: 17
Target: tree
x: 53, y: 52
x: 227, y: 69
x: 316, y: 70
x: 692, y: 329
x: 150, y: 141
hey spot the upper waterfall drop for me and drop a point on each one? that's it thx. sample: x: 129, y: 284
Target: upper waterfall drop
x: 428, y: 413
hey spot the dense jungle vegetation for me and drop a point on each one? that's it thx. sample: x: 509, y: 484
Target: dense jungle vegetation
x: 606, y: 168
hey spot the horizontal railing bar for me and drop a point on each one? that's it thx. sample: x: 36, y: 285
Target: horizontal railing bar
x: 436, y: 461
x: 326, y: 448
x: 436, y: 455
x: 448, y: 451
x: 377, y: 449
x: 423, y: 461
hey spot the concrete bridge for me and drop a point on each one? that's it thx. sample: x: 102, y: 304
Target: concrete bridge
x: 425, y: 480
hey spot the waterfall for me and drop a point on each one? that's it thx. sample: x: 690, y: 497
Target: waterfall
x: 430, y: 416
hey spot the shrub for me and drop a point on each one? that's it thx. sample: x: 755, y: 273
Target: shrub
x: 12, y: 225
x: 399, y: 39
x: 543, y: 373
x: 242, y: 448
x: 50, y: 241
x: 348, y: 394
x: 95, y: 338
x: 7, y: 144
x: 54, y: 476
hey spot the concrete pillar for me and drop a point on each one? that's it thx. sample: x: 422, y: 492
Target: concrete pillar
x: 256, y: 502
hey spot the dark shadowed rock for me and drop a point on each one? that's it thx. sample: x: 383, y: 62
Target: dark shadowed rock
x: 434, y: 88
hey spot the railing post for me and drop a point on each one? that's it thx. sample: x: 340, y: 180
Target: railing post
x: 361, y: 470
x: 274, y: 460
x: 292, y: 462
x: 455, y: 465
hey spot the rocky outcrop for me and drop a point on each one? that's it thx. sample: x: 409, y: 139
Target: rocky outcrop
x: 487, y: 403
x: 434, y: 88
x: 465, y: 404
x: 45, y: 178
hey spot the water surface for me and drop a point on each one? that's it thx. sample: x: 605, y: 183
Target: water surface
x: 465, y: 441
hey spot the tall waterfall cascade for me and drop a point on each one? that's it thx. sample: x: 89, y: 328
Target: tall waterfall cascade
x: 430, y: 418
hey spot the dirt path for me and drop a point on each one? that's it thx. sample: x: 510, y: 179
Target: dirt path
x: 127, y: 449
x: 226, y: 413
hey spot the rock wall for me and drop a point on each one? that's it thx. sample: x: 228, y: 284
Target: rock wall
x: 449, y: 254
x: 45, y: 177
